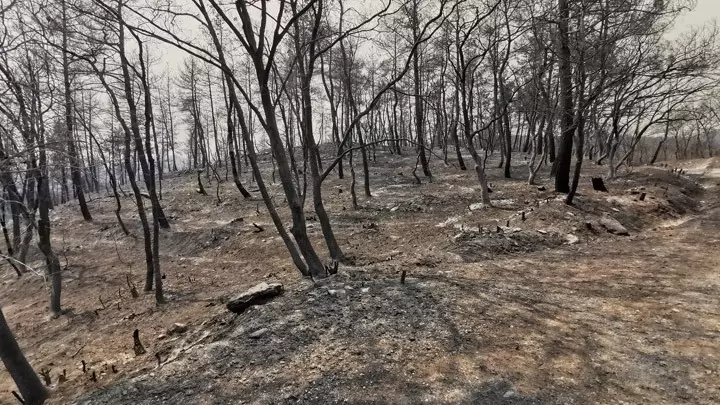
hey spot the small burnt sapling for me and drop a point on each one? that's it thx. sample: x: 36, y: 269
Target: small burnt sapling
x: 137, y: 345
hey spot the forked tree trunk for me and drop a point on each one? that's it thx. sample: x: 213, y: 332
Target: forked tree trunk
x: 250, y: 148
x: 71, y: 149
x: 111, y: 178
x: 127, y: 152
x: 148, y: 167
x: 231, y: 151
x: 323, y: 218
x: 299, y: 227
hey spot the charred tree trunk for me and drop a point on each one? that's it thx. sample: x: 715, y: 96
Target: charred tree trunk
x: 295, y: 253
x: 231, y: 151
x: 419, y: 103
x: 562, y: 165
x: 31, y: 389
x: 306, y: 73
x: 71, y: 148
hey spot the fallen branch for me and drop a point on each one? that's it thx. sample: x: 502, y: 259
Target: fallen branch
x: 78, y: 351
x: 131, y: 286
x: 18, y: 397
x: 176, y: 353
x: 11, y: 260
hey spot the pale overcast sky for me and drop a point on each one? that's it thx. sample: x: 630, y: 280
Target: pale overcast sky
x: 706, y: 11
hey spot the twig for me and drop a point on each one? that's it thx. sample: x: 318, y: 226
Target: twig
x: 201, y: 189
x: 45, y: 373
x: 12, y: 264
x: 417, y: 179
x: 131, y: 286
x: 18, y: 397
x: 258, y: 228
x: 117, y: 251
x: 78, y: 350
x: 177, y: 352
x: 217, y: 193
x: 10, y: 258
x: 64, y: 251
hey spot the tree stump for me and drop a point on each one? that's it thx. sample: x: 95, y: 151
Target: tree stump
x: 599, y: 184
x: 137, y: 345
x: 200, y: 189
x: 131, y: 287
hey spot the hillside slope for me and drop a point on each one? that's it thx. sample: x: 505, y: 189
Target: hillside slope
x: 495, y: 309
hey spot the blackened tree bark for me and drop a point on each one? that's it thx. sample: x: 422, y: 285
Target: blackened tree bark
x: 232, y: 85
x: 43, y: 225
x: 562, y: 165
x: 110, y: 173
x: 27, y: 381
x: 69, y: 119
x: 145, y: 151
x: 352, y: 105
x: 419, y: 102
x: 30, y: 123
x: 231, y: 150
x: 306, y: 70
x: 130, y: 132
x: 329, y: 86
x: 454, y: 130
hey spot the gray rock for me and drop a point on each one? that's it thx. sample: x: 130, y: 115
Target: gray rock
x: 257, y: 295
x: 258, y: 333
x: 339, y: 293
x: 593, y: 225
x: 571, y: 239
x: 613, y: 226
x: 177, y: 329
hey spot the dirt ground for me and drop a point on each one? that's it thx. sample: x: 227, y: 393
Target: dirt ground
x: 495, y: 309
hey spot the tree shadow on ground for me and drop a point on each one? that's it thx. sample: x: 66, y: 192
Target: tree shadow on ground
x: 503, y: 333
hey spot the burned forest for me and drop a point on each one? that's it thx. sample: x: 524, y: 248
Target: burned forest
x: 348, y: 202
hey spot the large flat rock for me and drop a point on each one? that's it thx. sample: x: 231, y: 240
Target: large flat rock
x: 613, y: 226
x: 256, y: 295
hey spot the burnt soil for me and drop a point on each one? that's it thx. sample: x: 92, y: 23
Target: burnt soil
x: 494, y: 309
